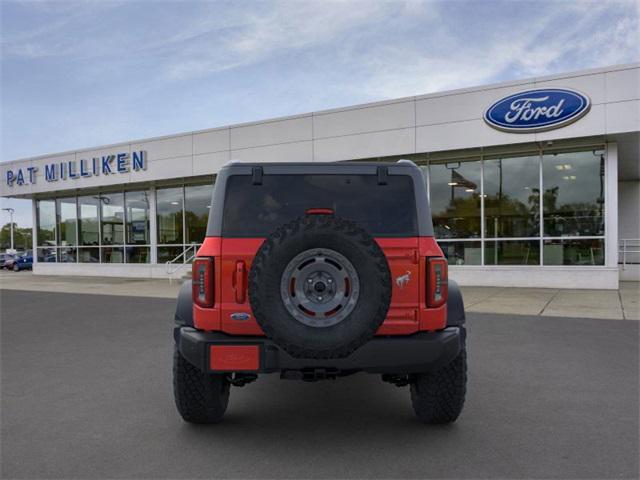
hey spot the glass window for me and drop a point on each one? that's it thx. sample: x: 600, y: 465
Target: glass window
x: 46, y: 254
x: 455, y: 199
x: 88, y: 220
x: 574, y: 252
x: 67, y: 254
x: 137, y: 254
x: 112, y: 254
x: 67, y: 213
x: 462, y: 253
x: 166, y: 254
x: 137, y: 217
x: 512, y: 197
x: 512, y: 252
x: 169, y: 205
x: 197, y: 199
x: 46, y: 222
x: 89, y: 255
x: 573, y: 198
x: 257, y: 210
x: 112, y: 218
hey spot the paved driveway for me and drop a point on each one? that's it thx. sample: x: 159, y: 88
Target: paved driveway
x: 86, y: 392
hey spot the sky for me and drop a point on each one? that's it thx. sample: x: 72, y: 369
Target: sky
x: 87, y: 73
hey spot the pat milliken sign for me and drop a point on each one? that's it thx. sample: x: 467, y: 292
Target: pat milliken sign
x: 537, y: 110
x: 115, y: 164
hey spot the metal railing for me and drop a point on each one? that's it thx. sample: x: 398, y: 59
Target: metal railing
x: 628, y: 247
x: 185, y: 258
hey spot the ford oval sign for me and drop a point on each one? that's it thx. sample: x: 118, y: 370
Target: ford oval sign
x: 537, y: 110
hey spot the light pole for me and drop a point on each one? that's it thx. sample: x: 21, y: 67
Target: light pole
x: 11, y: 212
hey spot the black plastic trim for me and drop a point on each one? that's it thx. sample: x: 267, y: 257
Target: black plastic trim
x: 184, y: 308
x: 455, y: 306
x: 416, y: 353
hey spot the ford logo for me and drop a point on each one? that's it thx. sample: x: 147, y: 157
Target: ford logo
x: 537, y: 110
x: 240, y: 316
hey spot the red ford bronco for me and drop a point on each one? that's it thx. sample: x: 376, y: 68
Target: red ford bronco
x: 315, y: 271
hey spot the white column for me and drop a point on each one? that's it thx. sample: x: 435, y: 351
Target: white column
x: 611, y: 205
x: 153, y: 234
x: 34, y: 230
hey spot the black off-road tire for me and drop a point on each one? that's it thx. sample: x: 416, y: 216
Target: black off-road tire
x: 438, y: 397
x: 200, y: 397
x: 303, y: 234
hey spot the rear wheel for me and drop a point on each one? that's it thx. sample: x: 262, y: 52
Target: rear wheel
x: 438, y: 397
x: 16, y: 268
x: 200, y: 397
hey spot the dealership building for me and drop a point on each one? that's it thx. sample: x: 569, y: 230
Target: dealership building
x: 533, y: 183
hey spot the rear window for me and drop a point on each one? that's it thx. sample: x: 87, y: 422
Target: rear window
x: 257, y: 210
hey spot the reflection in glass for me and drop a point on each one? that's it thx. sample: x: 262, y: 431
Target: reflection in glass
x: 88, y: 220
x: 112, y: 255
x: 169, y: 207
x: 574, y: 252
x: 89, y: 255
x: 455, y: 199
x: 46, y: 254
x: 67, y: 212
x: 512, y: 252
x: 112, y: 218
x: 512, y: 197
x: 46, y: 222
x: 67, y: 255
x: 573, y: 198
x: 166, y: 254
x: 462, y: 253
x: 137, y: 218
x: 137, y: 254
x: 197, y: 205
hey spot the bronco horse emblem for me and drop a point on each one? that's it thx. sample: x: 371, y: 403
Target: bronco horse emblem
x: 402, y: 280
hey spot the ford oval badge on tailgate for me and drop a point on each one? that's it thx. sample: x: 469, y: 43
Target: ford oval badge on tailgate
x: 240, y: 316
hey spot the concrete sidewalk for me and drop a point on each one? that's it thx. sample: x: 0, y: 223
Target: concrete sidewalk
x: 620, y: 304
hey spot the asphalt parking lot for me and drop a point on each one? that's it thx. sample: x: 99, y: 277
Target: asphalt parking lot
x: 86, y: 393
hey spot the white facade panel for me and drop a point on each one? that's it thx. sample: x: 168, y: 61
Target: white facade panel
x: 591, y: 85
x: 469, y: 134
x: 209, y: 163
x: 391, y: 116
x: 378, y: 144
x: 271, y: 133
x: 592, y: 124
x: 166, y: 168
x: 171, y: 147
x: 462, y: 107
x: 623, y: 116
x: 538, y: 277
x: 211, y: 141
x: 623, y: 85
x: 286, y: 152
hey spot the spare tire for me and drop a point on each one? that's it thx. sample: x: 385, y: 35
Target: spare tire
x: 320, y: 287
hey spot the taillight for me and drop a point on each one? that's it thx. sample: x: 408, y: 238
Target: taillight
x: 202, y: 281
x: 437, y: 282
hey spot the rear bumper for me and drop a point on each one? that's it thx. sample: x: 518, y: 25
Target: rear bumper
x: 416, y: 353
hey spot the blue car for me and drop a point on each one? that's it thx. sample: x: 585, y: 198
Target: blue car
x: 23, y: 262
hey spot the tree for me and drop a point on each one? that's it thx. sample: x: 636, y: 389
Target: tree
x: 21, y: 237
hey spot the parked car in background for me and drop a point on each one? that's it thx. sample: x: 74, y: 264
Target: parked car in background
x: 23, y: 262
x: 7, y: 260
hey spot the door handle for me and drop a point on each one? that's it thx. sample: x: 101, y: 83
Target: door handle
x: 240, y: 282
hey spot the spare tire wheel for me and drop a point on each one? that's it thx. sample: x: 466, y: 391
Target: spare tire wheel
x: 320, y: 287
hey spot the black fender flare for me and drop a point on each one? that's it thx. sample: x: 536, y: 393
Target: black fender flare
x: 184, y: 308
x: 455, y: 306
